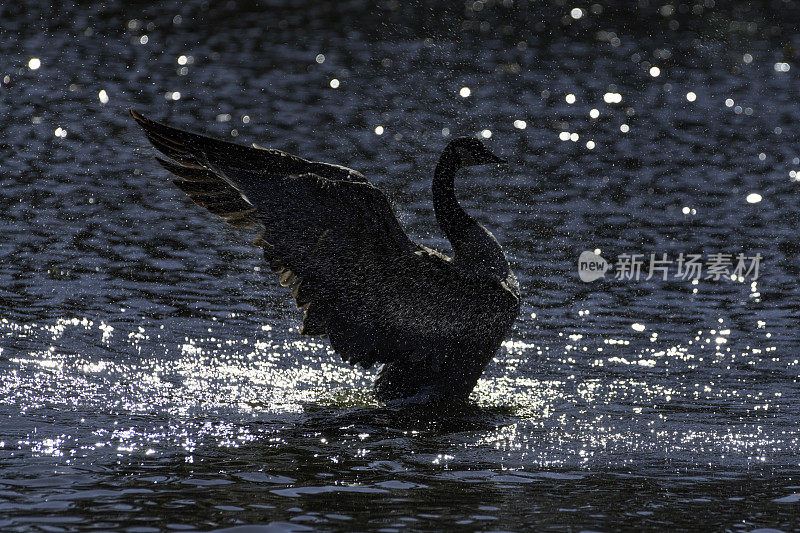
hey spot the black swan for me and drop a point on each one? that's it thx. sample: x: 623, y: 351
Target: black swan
x: 432, y: 321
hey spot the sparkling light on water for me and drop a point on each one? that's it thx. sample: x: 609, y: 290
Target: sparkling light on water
x: 753, y: 198
x: 151, y: 372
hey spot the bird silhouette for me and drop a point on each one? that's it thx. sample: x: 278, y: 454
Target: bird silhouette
x: 433, y: 322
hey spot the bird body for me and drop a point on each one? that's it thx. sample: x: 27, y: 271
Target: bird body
x: 433, y: 322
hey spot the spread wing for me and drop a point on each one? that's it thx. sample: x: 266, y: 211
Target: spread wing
x: 329, y: 235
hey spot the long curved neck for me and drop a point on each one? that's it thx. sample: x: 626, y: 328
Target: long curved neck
x: 451, y: 217
x: 473, y: 246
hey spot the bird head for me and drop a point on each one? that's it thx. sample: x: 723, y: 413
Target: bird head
x: 471, y: 151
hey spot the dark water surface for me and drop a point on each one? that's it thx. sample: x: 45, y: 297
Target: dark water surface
x: 151, y: 374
